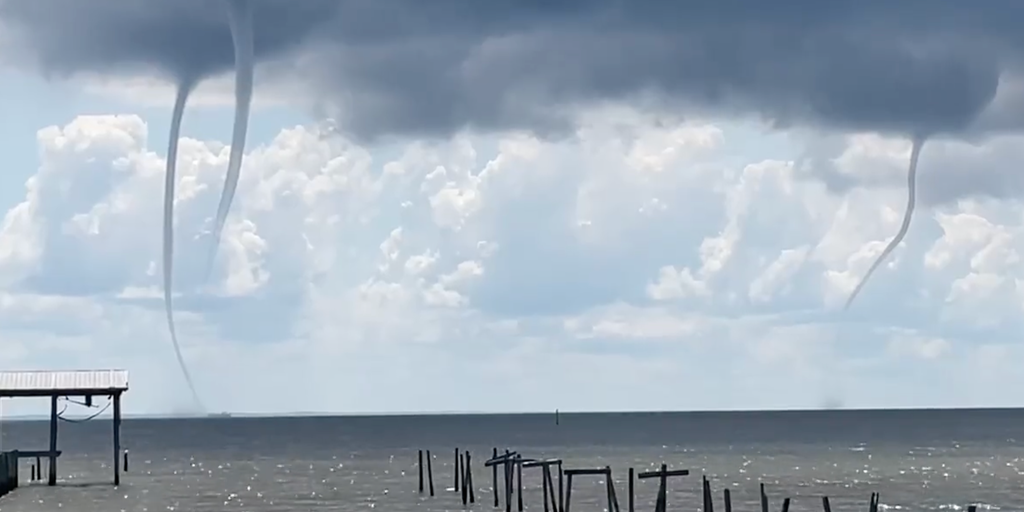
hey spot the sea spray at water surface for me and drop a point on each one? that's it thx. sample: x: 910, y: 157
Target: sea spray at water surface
x: 240, y: 17
x: 915, y: 152
x: 184, y: 89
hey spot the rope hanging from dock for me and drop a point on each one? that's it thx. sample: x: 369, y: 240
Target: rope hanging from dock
x: 60, y: 415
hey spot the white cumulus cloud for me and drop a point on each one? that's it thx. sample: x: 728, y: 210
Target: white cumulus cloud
x: 669, y: 265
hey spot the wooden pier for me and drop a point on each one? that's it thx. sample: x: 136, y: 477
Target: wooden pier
x: 56, y: 385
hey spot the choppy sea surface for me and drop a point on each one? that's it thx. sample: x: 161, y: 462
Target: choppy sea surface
x: 917, y: 460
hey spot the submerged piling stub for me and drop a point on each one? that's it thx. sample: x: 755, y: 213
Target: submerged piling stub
x: 662, y: 474
x: 786, y: 502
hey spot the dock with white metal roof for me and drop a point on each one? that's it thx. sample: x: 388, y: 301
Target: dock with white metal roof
x: 84, y: 384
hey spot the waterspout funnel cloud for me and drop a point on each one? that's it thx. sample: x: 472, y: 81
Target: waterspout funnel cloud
x: 185, y: 86
x: 908, y: 215
x: 240, y: 18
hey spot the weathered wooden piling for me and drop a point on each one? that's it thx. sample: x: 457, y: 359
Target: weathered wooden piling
x: 419, y: 466
x: 494, y: 475
x: 709, y: 503
x: 547, y: 483
x: 786, y: 502
x: 468, y: 480
x: 468, y: 495
x: 8, y: 472
x: 506, y: 462
x: 430, y: 473
x: 561, y: 490
x: 826, y: 506
x: 662, y: 474
x: 613, y: 505
x: 631, y: 490
x: 508, y: 480
x: 519, y: 482
x: 457, y: 472
x: 126, y: 461
x: 727, y: 498
x: 609, y: 484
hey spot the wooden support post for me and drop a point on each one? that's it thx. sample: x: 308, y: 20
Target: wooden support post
x: 117, y: 438
x: 457, y: 471
x: 662, y: 504
x: 764, y: 500
x: 709, y: 502
x: 551, y: 489
x: 561, y: 494
x: 420, y: 467
x: 568, y: 494
x: 53, y: 442
x: 126, y: 461
x: 465, y: 479
x: 825, y: 505
x: 727, y: 496
x: 608, y: 493
x: 785, y: 505
x: 468, y: 480
x: 550, y: 497
x: 39, y: 469
x: 632, y: 476
x: 494, y: 477
x: 508, y: 482
x: 430, y: 473
x: 613, y: 499
x: 545, y: 477
x: 519, y: 482
x: 662, y: 474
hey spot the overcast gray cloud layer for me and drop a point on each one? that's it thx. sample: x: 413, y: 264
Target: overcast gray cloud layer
x: 429, y: 68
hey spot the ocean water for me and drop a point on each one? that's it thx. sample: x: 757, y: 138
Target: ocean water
x: 917, y: 460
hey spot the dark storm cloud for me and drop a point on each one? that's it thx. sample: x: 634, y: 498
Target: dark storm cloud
x: 176, y: 38
x: 431, y: 67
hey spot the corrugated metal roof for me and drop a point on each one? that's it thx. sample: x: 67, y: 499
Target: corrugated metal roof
x: 22, y: 382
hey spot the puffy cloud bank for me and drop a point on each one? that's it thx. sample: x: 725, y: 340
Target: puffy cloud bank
x: 494, y: 272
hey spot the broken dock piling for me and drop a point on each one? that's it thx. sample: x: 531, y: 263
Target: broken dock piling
x: 606, y: 472
x: 547, y: 483
x: 559, y: 498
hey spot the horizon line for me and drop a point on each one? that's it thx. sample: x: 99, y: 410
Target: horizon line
x: 367, y: 414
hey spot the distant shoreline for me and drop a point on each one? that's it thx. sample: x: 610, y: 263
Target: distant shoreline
x: 285, y: 415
